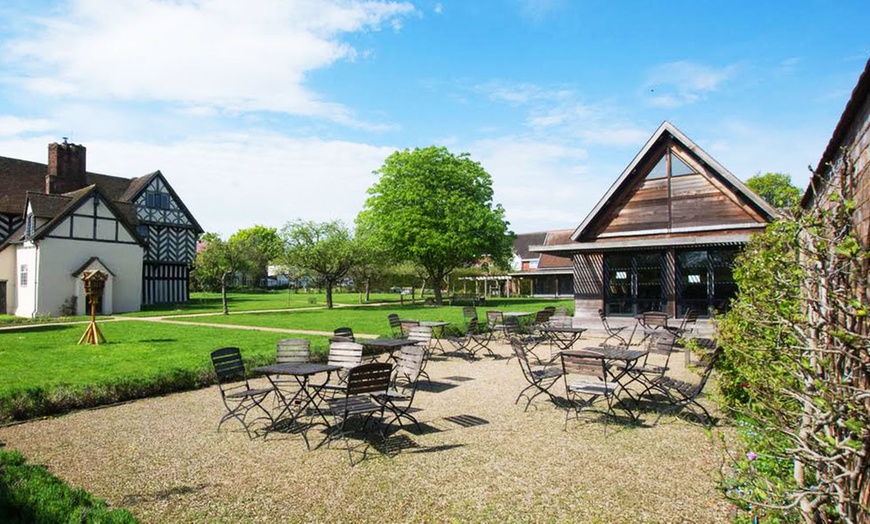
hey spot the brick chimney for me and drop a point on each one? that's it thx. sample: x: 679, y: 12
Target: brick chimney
x: 66, y: 168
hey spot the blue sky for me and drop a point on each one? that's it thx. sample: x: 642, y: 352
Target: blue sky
x: 264, y: 111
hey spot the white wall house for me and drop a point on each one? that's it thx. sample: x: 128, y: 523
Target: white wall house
x: 137, y: 231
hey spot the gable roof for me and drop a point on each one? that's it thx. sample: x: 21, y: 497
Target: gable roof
x: 860, y: 95
x: 58, y: 207
x: 523, y: 241
x: 667, y: 131
x: 551, y: 261
x: 22, y: 179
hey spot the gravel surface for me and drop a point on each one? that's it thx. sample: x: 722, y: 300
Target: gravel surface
x: 480, y: 458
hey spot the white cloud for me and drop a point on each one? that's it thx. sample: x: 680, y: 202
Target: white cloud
x: 747, y: 148
x: 237, y: 56
x: 561, y: 111
x: 438, y: 9
x: 231, y: 182
x: 13, y: 125
x: 679, y: 83
x: 541, y: 184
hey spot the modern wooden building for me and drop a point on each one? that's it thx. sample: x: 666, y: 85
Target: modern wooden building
x: 664, y: 236
x: 57, y: 220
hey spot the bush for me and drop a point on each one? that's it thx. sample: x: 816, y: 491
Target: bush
x: 42, y: 401
x: 30, y: 494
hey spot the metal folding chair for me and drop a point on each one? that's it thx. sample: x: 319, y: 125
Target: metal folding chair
x: 236, y: 392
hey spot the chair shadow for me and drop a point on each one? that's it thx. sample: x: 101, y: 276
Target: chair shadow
x: 435, y: 386
x: 162, y: 495
x: 456, y: 378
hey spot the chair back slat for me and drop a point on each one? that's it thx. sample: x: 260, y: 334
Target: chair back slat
x: 655, y: 319
x: 406, y: 326
x: 410, y: 361
x: 662, y: 343
x: 395, y: 323
x: 520, y: 352
x: 560, y: 311
x: 542, y: 317
x: 369, y: 378
x: 345, y: 354
x: 345, y: 333
x: 469, y: 312
x: 494, y: 317
x: 228, y: 365
x: 293, y: 351
x: 577, y: 365
x: 420, y: 335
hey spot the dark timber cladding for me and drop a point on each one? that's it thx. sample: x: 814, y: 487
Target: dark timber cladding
x: 165, y: 283
x: 665, y: 234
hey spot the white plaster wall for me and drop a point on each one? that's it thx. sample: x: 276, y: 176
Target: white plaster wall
x: 108, y: 291
x: 26, y: 299
x: 7, y: 273
x: 60, y: 257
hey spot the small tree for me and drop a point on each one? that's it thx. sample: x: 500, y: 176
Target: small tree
x: 326, y: 248
x: 435, y: 209
x: 220, y: 260
x: 372, y: 260
x: 776, y: 189
x: 266, y: 246
x: 797, y: 366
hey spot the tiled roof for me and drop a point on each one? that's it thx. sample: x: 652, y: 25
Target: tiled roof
x: 48, y: 206
x: 524, y: 240
x: 555, y: 238
x: 17, y: 177
x: 22, y: 179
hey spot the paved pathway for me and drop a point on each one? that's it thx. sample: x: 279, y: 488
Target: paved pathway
x: 173, y: 319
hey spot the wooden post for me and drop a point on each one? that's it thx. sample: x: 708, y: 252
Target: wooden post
x: 94, y: 283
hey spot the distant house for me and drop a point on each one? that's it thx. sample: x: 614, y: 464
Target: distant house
x: 542, y: 274
x: 851, y: 137
x: 59, y: 220
x: 665, y: 234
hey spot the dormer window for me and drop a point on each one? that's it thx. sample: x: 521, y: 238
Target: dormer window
x: 157, y: 200
x: 29, y: 226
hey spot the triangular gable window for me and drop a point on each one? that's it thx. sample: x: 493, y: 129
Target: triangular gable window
x: 660, y: 170
x: 678, y: 167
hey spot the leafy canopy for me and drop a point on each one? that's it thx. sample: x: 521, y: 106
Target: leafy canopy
x: 775, y: 188
x: 435, y: 209
x: 327, y: 249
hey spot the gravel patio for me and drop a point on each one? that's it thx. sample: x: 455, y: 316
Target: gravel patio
x: 479, y: 458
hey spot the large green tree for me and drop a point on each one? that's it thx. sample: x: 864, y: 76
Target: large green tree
x: 326, y: 248
x: 776, y: 189
x: 436, y: 209
x: 220, y: 260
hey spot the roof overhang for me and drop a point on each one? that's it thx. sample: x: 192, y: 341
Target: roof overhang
x: 543, y: 272
x: 731, y: 239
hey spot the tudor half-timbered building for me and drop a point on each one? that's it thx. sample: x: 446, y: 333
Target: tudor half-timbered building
x: 60, y: 220
x: 664, y: 236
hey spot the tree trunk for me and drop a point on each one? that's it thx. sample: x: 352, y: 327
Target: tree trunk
x: 368, y: 290
x: 328, y: 284
x: 224, y: 294
x: 436, y: 287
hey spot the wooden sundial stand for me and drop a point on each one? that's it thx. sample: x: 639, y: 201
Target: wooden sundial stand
x: 94, y: 282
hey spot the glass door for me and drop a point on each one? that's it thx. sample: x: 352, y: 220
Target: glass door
x: 634, y: 283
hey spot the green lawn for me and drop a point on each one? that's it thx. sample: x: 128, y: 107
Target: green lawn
x: 369, y: 319
x: 44, y: 371
x: 211, y: 302
x: 49, y: 356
